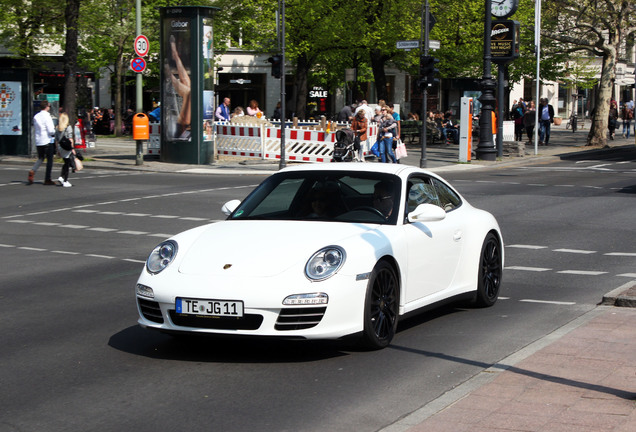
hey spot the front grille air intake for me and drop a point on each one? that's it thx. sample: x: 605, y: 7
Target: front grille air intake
x: 299, y: 318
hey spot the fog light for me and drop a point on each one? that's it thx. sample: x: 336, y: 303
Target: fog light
x: 144, y: 291
x: 306, y: 299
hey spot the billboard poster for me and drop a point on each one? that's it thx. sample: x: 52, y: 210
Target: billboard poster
x: 208, y: 99
x: 176, y: 85
x: 10, y: 108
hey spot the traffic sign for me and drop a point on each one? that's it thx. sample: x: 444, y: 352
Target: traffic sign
x: 138, y: 64
x: 142, y: 46
x: 407, y: 45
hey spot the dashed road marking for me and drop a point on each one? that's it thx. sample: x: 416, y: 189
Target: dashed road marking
x: 582, y: 272
x: 552, y: 302
x: 575, y: 251
x: 532, y: 269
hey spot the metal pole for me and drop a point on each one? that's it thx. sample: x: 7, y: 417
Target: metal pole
x: 485, y: 149
x: 500, y: 109
x: 424, y: 86
x: 537, y: 43
x: 282, y: 163
x: 139, y: 154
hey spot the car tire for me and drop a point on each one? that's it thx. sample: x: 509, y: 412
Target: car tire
x: 490, y: 271
x: 381, y: 307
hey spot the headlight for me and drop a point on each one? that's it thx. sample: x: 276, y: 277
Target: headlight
x: 325, y: 263
x: 161, y: 256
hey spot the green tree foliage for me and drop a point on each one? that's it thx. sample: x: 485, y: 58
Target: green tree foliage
x: 598, y: 28
x: 28, y: 31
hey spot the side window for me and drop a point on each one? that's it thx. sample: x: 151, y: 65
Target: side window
x: 420, y: 191
x: 448, y: 199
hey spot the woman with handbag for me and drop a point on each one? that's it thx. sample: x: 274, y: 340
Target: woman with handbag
x: 359, y: 126
x: 64, y: 138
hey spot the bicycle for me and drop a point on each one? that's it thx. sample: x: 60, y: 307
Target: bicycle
x: 572, y: 123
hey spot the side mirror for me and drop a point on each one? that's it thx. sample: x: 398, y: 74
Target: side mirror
x: 230, y: 206
x: 427, y: 213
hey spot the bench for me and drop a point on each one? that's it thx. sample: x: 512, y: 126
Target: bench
x: 410, y: 129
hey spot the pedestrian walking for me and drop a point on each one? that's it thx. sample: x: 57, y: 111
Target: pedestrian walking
x: 44, y: 142
x: 64, y: 137
x: 627, y: 115
x: 612, y: 119
x: 529, y: 121
x: 546, y: 118
x: 359, y: 126
x: 387, y: 128
x: 517, y: 112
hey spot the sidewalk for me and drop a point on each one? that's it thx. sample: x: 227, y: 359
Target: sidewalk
x: 119, y: 153
x: 581, y: 378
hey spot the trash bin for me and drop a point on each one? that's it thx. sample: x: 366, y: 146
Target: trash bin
x: 141, y: 127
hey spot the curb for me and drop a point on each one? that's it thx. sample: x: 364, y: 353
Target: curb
x: 623, y: 296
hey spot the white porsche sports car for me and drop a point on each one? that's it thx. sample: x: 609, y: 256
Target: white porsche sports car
x: 325, y: 251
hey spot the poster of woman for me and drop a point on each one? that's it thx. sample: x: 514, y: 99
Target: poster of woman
x: 176, y: 84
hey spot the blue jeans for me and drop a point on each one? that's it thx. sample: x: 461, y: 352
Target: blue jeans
x: 626, y: 126
x: 386, y: 147
x: 544, y: 131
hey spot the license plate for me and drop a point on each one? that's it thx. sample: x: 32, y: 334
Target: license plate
x: 206, y: 307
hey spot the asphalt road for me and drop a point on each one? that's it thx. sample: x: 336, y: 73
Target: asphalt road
x: 73, y: 357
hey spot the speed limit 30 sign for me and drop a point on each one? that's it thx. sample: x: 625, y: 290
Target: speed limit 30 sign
x: 142, y: 46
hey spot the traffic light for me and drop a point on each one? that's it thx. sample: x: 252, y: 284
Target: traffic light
x: 277, y: 65
x: 428, y: 70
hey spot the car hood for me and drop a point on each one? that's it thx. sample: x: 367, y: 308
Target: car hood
x: 261, y: 248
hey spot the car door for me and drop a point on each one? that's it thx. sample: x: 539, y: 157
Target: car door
x: 433, y: 248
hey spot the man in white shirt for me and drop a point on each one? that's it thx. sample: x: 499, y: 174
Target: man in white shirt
x: 44, y: 142
x: 368, y: 112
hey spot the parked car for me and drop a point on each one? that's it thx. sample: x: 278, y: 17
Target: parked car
x: 325, y: 251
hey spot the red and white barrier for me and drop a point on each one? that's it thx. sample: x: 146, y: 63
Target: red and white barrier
x: 301, y: 145
x: 263, y: 142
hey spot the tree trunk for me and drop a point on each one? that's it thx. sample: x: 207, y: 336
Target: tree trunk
x: 70, y: 60
x: 599, y: 130
x: 302, y: 86
x: 377, y: 65
x: 119, y: 78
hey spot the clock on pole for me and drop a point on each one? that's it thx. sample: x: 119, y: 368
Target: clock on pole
x: 503, y: 8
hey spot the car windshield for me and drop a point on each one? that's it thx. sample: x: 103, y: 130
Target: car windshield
x: 337, y: 196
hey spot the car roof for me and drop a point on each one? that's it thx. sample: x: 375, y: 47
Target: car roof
x: 396, y: 169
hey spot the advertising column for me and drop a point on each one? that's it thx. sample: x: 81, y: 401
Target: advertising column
x: 183, y: 91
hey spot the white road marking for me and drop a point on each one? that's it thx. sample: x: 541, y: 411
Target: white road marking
x: 624, y: 254
x: 533, y: 269
x: 522, y: 246
x: 559, y: 303
x: 582, y: 272
x: 575, y: 251
x: 629, y: 275
x: 133, y: 232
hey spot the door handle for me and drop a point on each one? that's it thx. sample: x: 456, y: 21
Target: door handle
x: 457, y: 236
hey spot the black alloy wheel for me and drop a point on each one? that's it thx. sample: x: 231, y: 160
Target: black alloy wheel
x: 490, y: 271
x: 381, y: 307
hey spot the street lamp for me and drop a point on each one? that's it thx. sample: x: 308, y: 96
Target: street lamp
x: 485, y: 149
